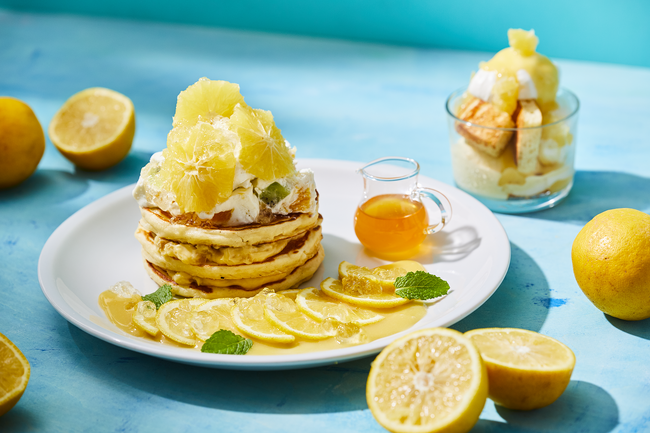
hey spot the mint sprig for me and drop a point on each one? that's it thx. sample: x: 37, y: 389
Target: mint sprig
x: 160, y: 296
x: 420, y: 285
x: 226, y: 342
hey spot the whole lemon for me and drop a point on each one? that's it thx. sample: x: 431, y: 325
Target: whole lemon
x: 22, y: 142
x: 611, y: 263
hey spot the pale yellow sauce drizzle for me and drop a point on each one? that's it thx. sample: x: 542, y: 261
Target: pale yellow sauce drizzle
x: 119, y: 311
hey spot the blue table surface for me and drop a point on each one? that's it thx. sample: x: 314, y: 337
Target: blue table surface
x: 332, y: 99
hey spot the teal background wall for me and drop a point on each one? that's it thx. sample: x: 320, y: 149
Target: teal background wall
x: 596, y: 30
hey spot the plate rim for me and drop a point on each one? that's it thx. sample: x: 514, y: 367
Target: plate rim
x: 258, y: 362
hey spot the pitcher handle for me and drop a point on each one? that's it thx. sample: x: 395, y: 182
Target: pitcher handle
x: 443, y: 204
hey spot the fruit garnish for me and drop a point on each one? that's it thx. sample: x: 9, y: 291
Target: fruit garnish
x: 160, y: 296
x: 431, y: 380
x: 227, y: 343
x: 319, y: 306
x: 334, y: 288
x: 611, y: 263
x: 420, y: 285
x: 199, y: 166
x: 124, y: 289
x: 273, y: 194
x: 144, y: 317
x: 505, y: 93
x: 22, y: 142
x: 526, y: 370
x: 14, y: 376
x: 94, y: 128
x: 211, y: 317
x: 174, y: 319
x: 206, y: 99
x: 525, y: 42
x: 283, y: 313
x: 248, y: 316
x: 359, y: 280
x: 264, y: 152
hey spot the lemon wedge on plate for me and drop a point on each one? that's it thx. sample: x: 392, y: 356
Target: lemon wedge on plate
x: 335, y: 289
x: 94, y: 128
x: 526, y: 370
x: 432, y: 380
x: 174, y: 319
x: 14, y: 374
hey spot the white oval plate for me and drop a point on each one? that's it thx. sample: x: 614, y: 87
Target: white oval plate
x: 95, y: 248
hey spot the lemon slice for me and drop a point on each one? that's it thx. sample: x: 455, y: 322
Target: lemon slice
x: 334, y: 288
x: 144, y: 317
x: 94, y: 128
x: 363, y: 280
x: 212, y: 316
x: 283, y: 313
x: 206, y: 99
x: 431, y: 380
x: 174, y: 319
x: 319, y: 306
x: 264, y: 152
x: 291, y: 293
x: 248, y: 316
x: 15, y: 374
x: 526, y: 370
x: 199, y: 166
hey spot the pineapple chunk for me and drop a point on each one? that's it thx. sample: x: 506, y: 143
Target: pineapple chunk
x: 525, y: 42
x: 505, y: 93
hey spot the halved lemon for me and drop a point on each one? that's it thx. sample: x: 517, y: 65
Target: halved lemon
x: 206, y: 100
x: 144, y: 317
x: 264, y: 152
x: 431, y: 380
x: 212, y: 316
x: 334, y: 288
x: 319, y: 306
x: 174, y: 319
x: 14, y: 374
x: 248, y: 316
x: 284, y: 314
x: 526, y: 370
x: 94, y: 128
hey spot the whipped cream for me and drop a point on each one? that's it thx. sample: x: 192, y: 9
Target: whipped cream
x: 527, y: 89
x: 244, y: 202
x: 482, y: 83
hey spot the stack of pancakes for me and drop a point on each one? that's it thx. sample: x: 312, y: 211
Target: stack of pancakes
x: 201, y: 259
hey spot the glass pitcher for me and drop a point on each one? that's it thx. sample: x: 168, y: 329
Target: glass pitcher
x: 391, y: 219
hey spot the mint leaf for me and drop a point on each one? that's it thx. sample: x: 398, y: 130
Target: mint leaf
x: 420, y: 285
x: 160, y: 296
x: 226, y: 342
x: 273, y: 194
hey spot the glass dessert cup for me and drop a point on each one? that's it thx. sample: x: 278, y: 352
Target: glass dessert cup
x: 496, y: 180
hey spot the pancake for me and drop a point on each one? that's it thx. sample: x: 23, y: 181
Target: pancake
x: 295, y: 253
x: 296, y: 277
x: 159, y: 222
x: 207, y: 254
